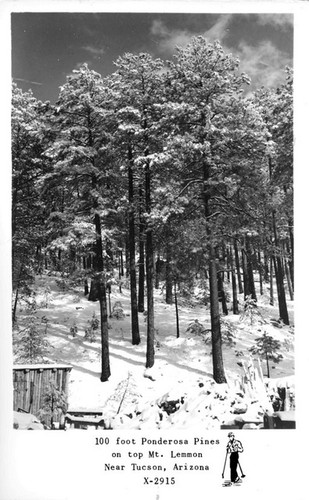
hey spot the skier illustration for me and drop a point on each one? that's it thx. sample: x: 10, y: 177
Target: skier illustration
x: 233, y: 448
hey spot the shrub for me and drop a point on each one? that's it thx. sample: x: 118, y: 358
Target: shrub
x: 251, y: 313
x: 91, y: 329
x: 54, y: 403
x: 267, y: 347
x: 29, y: 343
x: 196, y: 328
x: 73, y: 329
x: 117, y: 312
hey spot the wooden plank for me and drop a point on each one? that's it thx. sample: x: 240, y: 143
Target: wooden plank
x: 38, y: 366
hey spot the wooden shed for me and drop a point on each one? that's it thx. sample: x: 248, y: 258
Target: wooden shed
x: 30, y: 382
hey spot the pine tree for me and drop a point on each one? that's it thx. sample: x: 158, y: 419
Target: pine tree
x: 29, y: 139
x: 82, y: 162
x: 267, y: 347
x: 214, y: 130
x: 30, y: 344
x: 139, y: 80
x: 54, y: 404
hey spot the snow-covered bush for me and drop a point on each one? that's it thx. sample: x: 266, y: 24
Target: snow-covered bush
x: 117, y: 312
x: 76, y: 299
x: 62, y: 284
x: 267, y: 347
x: 73, y: 329
x: 251, y: 313
x: 47, y: 297
x: 228, y: 332
x: 91, y: 329
x: 196, y: 328
x: 29, y: 343
x: 54, y: 404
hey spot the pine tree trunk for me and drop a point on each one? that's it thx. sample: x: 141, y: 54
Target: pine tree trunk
x: 266, y: 267
x: 141, y: 274
x: 121, y: 271
x: 105, y: 366
x: 149, y: 275
x: 134, y: 311
x: 271, y: 283
x: 157, y: 271
x: 235, y: 299
x: 109, y: 289
x: 240, y: 287
x: 141, y: 279
x: 260, y: 273
x: 283, y: 310
x: 119, y: 267
x: 289, y: 281
x: 86, y: 287
x: 245, y: 274
x: 100, y: 286
x: 289, y: 264
x: 176, y: 311
x: 221, y: 293
x: 94, y: 291
x: 234, y: 285
x: 228, y: 263
x: 169, y: 274
x: 15, y: 305
x: 250, y: 268
x: 127, y: 254
x: 216, y: 340
x: 292, y: 251
x: 217, y: 358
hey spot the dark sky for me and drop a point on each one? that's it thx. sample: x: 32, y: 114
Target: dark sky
x: 46, y: 47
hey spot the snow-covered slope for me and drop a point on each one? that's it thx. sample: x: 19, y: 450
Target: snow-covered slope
x: 179, y: 390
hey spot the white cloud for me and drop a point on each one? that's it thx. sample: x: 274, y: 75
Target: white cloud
x: 95, y: 51
x: 220, y: 29
x: 264, y: 63
x: 27, y: 81
x: 169, y: 39
x: 283, y: 21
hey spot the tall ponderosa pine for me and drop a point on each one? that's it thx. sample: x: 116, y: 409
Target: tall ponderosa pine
x: 277, y: 111
x: 125, y: 144
x: 138, y: 77
x: 28, y: 167
x: 214, y: 129
x: 82, y: 163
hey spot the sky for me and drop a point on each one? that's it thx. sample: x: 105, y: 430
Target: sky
x: 46, y: 47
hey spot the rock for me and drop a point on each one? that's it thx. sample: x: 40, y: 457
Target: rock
x: 239, y: 408
x: 250, y: 426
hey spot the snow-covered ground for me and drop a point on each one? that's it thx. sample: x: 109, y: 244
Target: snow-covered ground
x: 182, y: 375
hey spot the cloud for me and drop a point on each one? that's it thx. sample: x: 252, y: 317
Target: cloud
x: 95, y: 51
x: 169, y: 39
x: 79, y: 64
x: 220, y: 29
x: 27, y: 81
x: 264, y: 63
x: 282, y: 21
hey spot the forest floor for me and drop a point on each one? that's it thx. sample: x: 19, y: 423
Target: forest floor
x: 179, y: 390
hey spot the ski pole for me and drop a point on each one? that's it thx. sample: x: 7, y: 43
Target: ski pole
x: 224, y: 465
x: 242, y: 474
